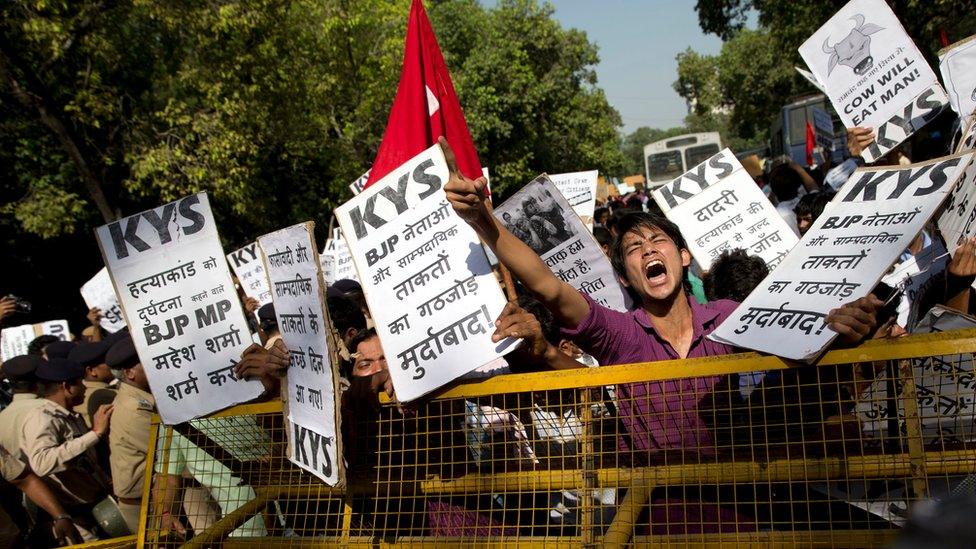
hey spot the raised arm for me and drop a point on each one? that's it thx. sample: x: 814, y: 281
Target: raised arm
x: 467, y: 198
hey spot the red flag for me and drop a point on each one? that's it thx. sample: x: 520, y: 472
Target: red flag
x: 426, y: 106
x: 811, y: 144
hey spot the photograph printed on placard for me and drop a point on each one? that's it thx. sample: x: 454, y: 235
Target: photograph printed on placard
x: 539, y: 222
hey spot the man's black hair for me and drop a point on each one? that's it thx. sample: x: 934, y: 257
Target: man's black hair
x: 345, y: 314
x: 600, y: 212
x: 785, y: 182
x: 36, y: 346
x: 47, y: 388
x: 550, y: 330
x: 820, y: 202
x: 805, y: 206
x: 632, y: 221
x: 602, y: 236
x: 734, y: 275
x: 362, y: 336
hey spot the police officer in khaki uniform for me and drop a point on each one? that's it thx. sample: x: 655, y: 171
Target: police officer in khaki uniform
x: 97, y: 373
x: 20, y: 372
x: 15, y: 472
x: 59, y: 447
x: 129, y: 433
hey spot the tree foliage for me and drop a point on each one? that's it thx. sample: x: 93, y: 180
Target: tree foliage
x: 753, y: 76
x: 108, y: 107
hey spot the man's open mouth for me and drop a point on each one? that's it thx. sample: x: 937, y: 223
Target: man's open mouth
x: 654, y: 269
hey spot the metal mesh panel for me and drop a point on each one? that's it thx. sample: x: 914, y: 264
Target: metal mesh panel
x: 739, y: 449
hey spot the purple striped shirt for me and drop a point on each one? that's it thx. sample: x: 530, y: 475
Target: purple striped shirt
x: 658, y: 415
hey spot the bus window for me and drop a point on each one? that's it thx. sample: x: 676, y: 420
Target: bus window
x: 664, y: 165
x: 681, y: 142
x: 696, y: 155
x: 798, y: 126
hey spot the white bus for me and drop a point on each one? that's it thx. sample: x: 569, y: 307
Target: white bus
x: 668, y: 158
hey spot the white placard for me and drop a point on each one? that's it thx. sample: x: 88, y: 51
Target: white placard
x: 250, y: 273
x: 579, y: 188
x: 312, y: 393
x: 958, y: 221
x: 542, y: 218
x: 910, y: 277
x: 811, y: 79
x: 427, y: 281
x: 944, y: 386
x: 717, y: 206
x: 862, y: 232
x: 874, y: 74
x: 957, y: 63
x: 823, y: 129
x: 99, y: 293
x: 359, y: 184
x: 15, y: 340
x: 336, y: 261
x: 179, y: 301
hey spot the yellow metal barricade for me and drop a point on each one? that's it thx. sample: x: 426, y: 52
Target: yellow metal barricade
x: 739, y: 449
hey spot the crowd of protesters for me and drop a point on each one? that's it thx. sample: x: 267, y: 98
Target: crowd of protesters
x: 75, y: 432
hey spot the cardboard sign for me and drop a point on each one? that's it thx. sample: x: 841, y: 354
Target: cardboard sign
x: 250, y: 273
x: 874, y: 74
x: 841, y: 258
x: 957, y: 63
x: 718, y: 207
x: 98, y: 293
x: 311, y: 384
x: 337, y: 263
x: 427, y: 281
x: 542, y: 218
x: 944, y: 386
x: 359, y: 184
x: 823, y: 129
x: 910, y: 277
x: 178, y: 298
x: 958, y: 220
x: 15, y: 340
x: 579, y: 188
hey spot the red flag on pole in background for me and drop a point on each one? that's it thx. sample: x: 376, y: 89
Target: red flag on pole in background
x: 426, y: 106
x: 811, y: 144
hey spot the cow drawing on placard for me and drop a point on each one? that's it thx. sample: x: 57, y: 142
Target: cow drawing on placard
x: 854, y: 50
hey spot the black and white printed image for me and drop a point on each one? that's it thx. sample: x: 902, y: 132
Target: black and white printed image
x: 540, y: 222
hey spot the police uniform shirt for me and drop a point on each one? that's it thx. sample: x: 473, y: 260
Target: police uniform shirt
x: 90, y: 388
x: 60, y: 449
x: 128, y: 438
x: 12, y: 419
x: 10, y: 469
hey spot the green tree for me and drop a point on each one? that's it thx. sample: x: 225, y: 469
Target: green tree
x: 739, y: 91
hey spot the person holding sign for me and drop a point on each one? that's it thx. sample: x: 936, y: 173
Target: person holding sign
x: 651, y: 258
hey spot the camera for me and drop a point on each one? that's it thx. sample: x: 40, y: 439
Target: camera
x: 21, y: 305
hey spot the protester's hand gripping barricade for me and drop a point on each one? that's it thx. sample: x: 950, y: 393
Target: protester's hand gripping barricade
x: 832, y: 454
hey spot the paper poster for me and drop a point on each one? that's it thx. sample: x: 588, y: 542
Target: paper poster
x: 718, y: 207
x: 944, y: 385
x: 15, y: 340
x: 910, y: 277
x: 841, y: 258
x: 958, y: 220
x: 579, y: 188
x: 99, y: 293
x: 359, y: 184
x: 823, y: 129
x: 542, y: 218
x: 957, y: 63
x: 250, y: 273
x: 336, y: 261
x: 811, y: 79
x: 427, y: 281
x: 312, y: 392
x: 179, y: 301
x: 874, y: 74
